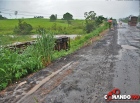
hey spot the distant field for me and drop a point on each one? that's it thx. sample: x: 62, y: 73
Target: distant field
x: 7, y: 26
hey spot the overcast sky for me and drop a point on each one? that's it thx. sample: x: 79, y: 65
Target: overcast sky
x: 107, y: 8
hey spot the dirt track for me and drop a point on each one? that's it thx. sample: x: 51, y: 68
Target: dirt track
x: 89, y: 73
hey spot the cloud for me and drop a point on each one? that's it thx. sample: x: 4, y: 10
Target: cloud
x: 113, y: 8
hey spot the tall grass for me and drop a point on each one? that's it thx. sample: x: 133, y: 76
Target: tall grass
x: 45, y: 47
x: 14, y: 66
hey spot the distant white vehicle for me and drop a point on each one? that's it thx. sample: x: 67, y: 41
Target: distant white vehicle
x: 138, y: 25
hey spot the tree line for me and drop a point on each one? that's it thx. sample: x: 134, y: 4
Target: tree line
x: 92, y: 21
x: 67, y: 16
x: 1, y: 17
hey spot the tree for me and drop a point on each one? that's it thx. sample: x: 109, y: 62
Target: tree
x: 111, y: 18
x: 1, y: 17
x: 99, y: 20
x: 67, y: 16
x: 38, y: 17
x: 53, y: 17
x: 90, y: 15
x: 16, y: 12
x: 90, y: 21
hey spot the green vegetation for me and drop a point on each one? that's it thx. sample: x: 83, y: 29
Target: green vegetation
x: 44, y: 47
x: 1, y: 17
x: 7, y: 26
x: 67, y: 16
x: 10, y: 39
x: 92, y: 21
x: 22, y: 28
x: 14, y: 66
x: 58, y: 27
x: 53, y: 17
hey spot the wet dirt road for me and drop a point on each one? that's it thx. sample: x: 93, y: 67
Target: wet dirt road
x: 127, y: 67
x: 91, y: 72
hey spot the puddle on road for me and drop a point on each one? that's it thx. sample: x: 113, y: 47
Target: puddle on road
x: 128, y: 47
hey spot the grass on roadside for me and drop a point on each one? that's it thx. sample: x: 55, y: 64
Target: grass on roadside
x: 14, y: 66
x: 79, y: 42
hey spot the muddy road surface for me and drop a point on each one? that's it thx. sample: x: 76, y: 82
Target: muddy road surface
x: 88, y: 74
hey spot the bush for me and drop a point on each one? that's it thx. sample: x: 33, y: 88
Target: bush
x: 22, y: 28
x: 89, y: 27
x: 40, y: 29
x: 53, y: 17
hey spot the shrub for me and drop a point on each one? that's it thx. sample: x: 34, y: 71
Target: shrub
x: 89, y: 27
x: 40, y: 29
x: 53, y: 17
x: 22, y: 28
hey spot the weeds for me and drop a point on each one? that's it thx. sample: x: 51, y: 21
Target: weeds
x: 14, y: 66
x: 44, y: 47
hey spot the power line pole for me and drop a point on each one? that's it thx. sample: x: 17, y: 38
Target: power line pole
x: 16, y: 12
